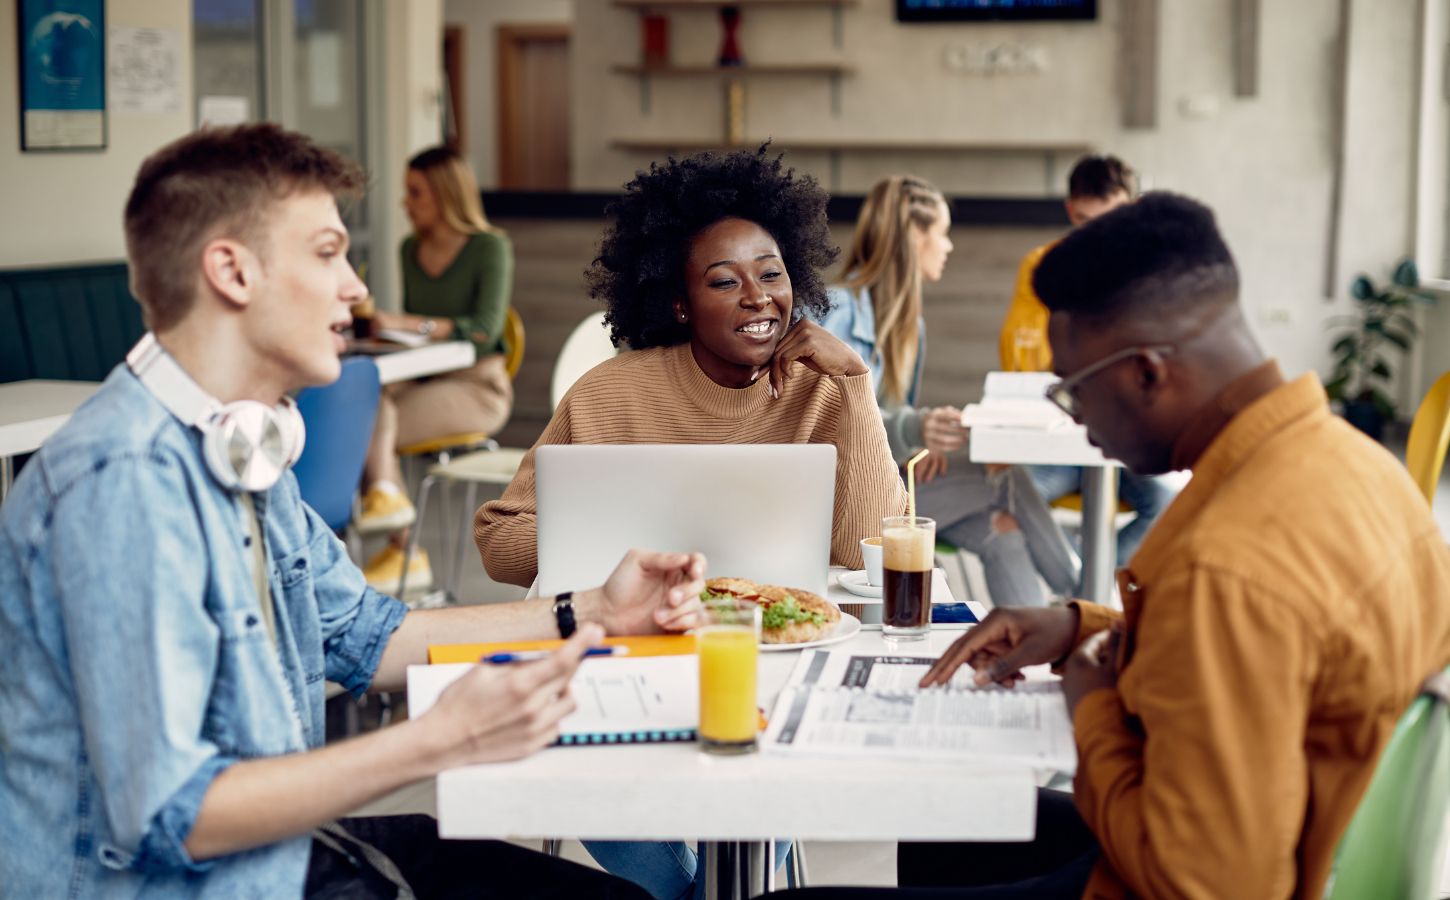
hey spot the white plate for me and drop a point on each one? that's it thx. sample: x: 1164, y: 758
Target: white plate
x: 855, y: 582
x: 846, y: 628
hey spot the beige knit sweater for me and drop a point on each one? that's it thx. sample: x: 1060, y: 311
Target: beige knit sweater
x: 660, y: 396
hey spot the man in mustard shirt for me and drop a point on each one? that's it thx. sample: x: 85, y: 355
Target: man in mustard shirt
x: 1097, y: 185
x: 1276, y: 623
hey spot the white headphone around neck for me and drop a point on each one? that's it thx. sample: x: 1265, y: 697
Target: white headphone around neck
x: 248, y: 445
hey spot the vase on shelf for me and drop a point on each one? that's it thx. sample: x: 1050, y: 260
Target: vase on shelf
x: 654, y: 40
x: 730, y: 45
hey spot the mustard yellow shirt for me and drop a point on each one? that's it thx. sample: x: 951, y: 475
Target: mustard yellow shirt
x: 1022, y: 344
x: 1279, y: 618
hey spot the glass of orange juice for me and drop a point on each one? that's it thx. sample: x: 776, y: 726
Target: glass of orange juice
x: 728, y: 645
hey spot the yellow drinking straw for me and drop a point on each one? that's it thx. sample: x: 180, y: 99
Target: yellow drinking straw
x: 911, y: 481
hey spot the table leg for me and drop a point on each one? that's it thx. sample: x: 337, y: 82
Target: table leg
x: 1099, y: 510
x: 728, y: 869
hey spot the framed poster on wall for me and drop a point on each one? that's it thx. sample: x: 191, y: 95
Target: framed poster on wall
x: 62, y: 56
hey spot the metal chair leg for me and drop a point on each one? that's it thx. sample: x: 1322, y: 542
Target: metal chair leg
x: 460, y: 546
x: 423, y: 490
x: 798, y: 875
x: 552, y: 846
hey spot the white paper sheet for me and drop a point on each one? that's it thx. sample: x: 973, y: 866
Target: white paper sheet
x: 838, y: 703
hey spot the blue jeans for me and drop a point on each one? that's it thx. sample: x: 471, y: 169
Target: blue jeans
x: 667, y: 869
x: 1147, y: 496
x: 962, y: 500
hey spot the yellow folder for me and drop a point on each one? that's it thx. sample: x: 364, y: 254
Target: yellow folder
x: 639, y: 645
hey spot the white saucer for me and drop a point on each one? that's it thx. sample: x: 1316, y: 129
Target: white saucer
x: 855, y: 583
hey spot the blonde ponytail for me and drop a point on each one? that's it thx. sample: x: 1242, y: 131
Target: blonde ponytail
x: 883, y: 259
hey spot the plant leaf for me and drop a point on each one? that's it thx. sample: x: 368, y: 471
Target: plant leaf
x: 1361, y: 288
x: 1394, y: 337
x: 1407, y: 274
x: 1383, y: 403
x: 1400, y: 320
x: 1382, y: 369
x: 1343, y: 345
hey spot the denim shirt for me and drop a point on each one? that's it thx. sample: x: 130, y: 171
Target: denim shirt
x: 853, y: 319
x: 136, y: 664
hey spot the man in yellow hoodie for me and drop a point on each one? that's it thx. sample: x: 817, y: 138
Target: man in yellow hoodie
x: 1096, y: 185
x: 1276, y: 623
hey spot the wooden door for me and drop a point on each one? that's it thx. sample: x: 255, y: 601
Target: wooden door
x: 533, y: 104
x: 455, y: 129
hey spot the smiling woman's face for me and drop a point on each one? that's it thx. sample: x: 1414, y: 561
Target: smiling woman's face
x: 737, y: 300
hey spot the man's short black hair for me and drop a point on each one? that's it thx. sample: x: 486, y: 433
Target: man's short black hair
x: 1100, y: 177
x: 640, y: 270
x: 1160, y: 253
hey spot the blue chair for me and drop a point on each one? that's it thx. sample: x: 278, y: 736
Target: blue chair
x: 339, y: 419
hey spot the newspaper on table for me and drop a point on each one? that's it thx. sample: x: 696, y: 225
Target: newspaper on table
x: 851, y: 704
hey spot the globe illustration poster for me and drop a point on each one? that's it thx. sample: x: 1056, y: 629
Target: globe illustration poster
x: 63, y: 73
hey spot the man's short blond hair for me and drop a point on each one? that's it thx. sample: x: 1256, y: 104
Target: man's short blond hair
x: 213, y: 183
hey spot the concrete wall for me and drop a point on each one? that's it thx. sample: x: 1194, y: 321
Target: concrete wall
x: 480, y: 21
x: 1264, y: 163
x: 66, y: 207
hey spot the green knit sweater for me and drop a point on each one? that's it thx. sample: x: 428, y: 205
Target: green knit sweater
x: 473, y: 292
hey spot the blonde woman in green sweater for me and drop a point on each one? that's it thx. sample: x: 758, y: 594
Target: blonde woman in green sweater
x: 457, y: 278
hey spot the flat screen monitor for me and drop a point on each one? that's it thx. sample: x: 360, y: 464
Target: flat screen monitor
x: 995, y: 10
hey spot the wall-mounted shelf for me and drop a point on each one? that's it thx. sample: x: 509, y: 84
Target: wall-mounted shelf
x: 1049, y: 150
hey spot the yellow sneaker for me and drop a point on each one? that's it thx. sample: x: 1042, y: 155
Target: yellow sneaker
x: 384, y: 570
x: 385, y: 511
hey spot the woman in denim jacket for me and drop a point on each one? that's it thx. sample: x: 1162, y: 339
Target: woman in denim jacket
x: 993, y: 511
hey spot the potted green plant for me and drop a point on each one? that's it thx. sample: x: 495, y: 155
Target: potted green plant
x: 1362, y: 369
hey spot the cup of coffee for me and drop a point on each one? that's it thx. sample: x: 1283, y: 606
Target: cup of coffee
x: 908, y: 554
x: 871, y: 555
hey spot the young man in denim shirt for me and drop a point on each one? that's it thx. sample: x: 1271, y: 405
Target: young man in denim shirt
x: 171, y: 608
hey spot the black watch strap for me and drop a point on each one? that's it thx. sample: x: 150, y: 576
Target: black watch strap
x: 564, y: 614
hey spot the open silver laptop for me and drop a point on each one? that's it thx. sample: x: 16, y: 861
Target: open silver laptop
x: 757, y: 511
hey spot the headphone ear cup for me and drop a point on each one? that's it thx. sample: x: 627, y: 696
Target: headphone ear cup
x: 291, y: 424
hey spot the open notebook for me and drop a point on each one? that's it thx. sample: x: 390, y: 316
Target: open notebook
x: 621, y: 700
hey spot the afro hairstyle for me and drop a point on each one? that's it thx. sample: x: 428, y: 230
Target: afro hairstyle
x: 1160, y: 254
x: 640, y: 270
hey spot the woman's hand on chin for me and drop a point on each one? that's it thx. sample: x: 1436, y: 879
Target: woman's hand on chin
x: 813, y: 346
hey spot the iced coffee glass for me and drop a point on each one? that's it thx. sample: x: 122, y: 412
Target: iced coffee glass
x: 908, y: 553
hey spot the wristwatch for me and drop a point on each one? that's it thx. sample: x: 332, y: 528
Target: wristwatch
x: 427, y: 327
x: 564, y: 613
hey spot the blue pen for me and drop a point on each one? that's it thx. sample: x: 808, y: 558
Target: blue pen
x: 533, y: 655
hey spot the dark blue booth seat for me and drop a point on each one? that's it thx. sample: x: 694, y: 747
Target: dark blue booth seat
x: 68, y: 323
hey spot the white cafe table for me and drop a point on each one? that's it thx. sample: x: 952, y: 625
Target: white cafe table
x: 733, y: 805
x: 674, y: 791
x: 30, y: 412
x: 1065, y: 445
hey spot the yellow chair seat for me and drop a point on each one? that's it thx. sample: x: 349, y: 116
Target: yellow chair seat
x: 447, y: 442
x: 1429, y: 437
x: 1074, y: 503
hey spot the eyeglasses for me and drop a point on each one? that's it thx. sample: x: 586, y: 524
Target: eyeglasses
x: 1063, y: 394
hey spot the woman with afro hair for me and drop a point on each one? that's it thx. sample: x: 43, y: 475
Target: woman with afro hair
x: 709, y: 271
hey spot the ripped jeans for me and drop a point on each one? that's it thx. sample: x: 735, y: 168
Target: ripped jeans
x: 962, y: 500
